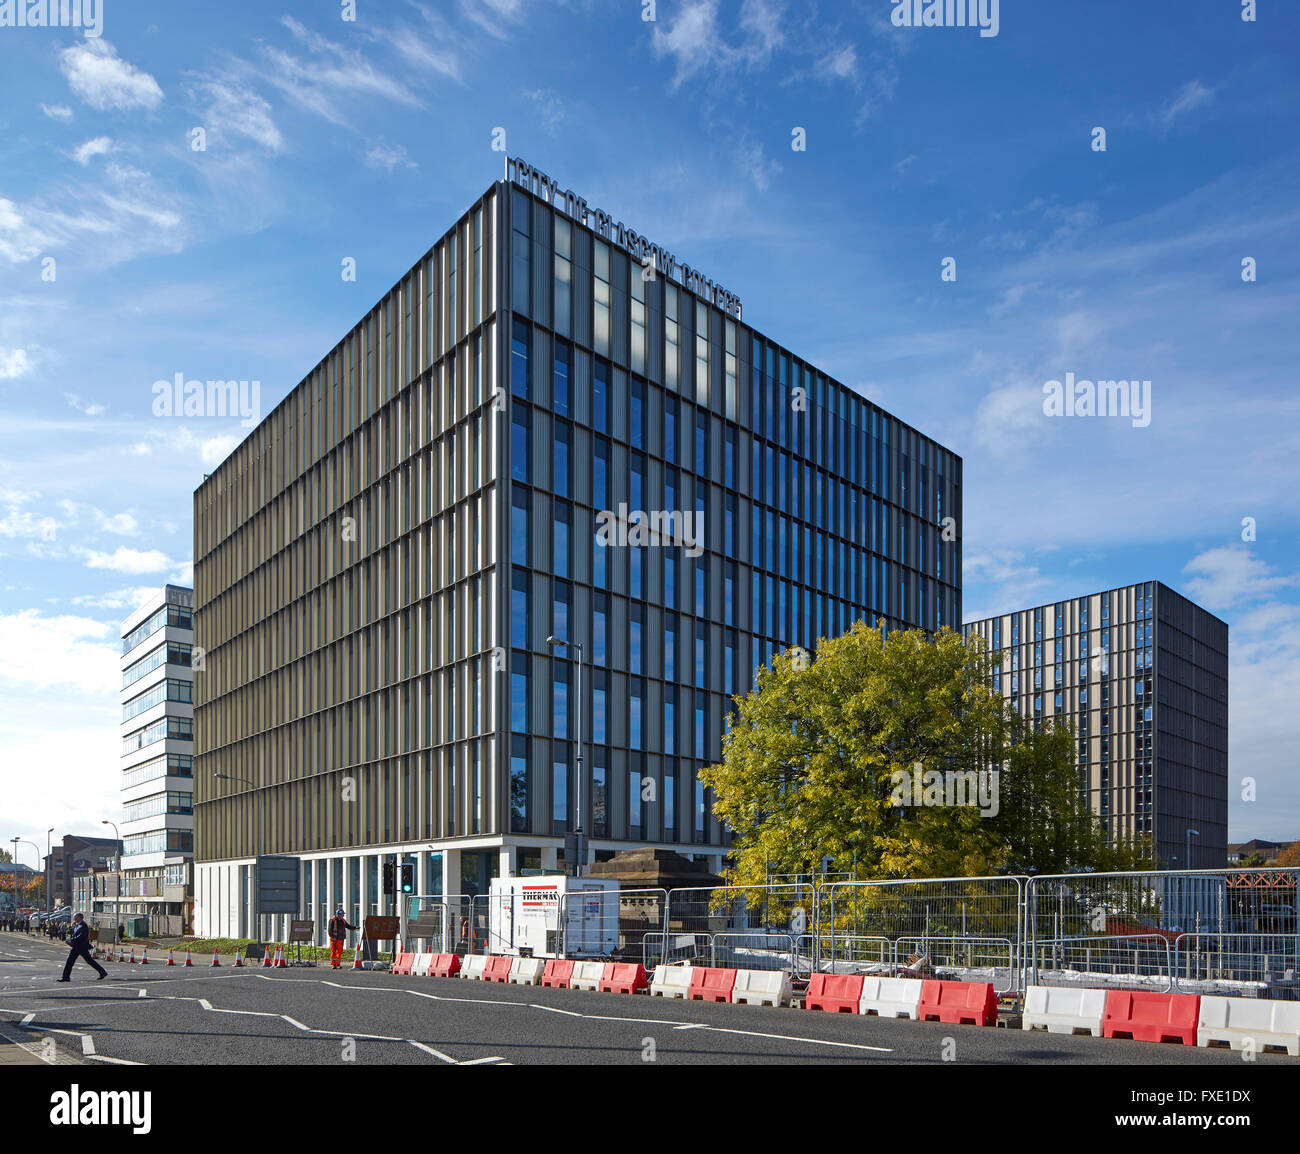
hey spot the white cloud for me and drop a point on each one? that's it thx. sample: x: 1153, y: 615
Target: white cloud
x: 102, y: 79
x: 387, y: 156
x: 216, y: 449
x: 233, y: 109
x: 120, y: 216
x: 129, y: 597
x: 91, y: 410
x: 840, y: 64
x: 550, y: 108
x: 332, y: 76
x: 13, y: 363
x: 57, y: 111
x: 753, y: 161
x: 1227, y: 576
x: 491, y: 15
x: 123, y: 560
x: 695, y: 42
x: 20, y: 240
x: 1191, y: 96
x: 87, y: 151
x: 40, y: 652
x: 123, y: 524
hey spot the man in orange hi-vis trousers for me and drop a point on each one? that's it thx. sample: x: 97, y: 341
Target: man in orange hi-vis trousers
x: 338, y: 928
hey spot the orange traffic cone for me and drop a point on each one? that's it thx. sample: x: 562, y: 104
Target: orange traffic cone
x: 188, y: 962
x: 356, y: 960
x: 279, y: 958
x: 239, y: 960
x: 266, y: 957
x: 215, y: 960
x: 171, y: 957
x: 145, y: 960
x: 131, y: 959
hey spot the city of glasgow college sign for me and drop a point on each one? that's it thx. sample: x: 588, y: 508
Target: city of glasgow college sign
x: 523, y: 174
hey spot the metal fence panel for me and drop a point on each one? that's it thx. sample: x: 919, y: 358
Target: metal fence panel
x: 784, y: 909
x: 1242, y: 965
x: 1093, y: 915
x: 1128, y: 962
x: 613, y: 924
x: 972, y: 928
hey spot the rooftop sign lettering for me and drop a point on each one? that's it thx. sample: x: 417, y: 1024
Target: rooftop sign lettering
x: 650, y: 255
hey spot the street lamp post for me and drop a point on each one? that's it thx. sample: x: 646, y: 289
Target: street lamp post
x: 556, y: 643
x: 48, y: 851
x: 1191, y: 833
x: 117, y: 916
x: 34, y: 846
x: 257, y: 848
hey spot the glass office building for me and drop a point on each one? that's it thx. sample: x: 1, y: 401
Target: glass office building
x: 546, y: 428
x: 1141, y: 675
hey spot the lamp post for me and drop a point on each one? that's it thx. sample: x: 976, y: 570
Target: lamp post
x: 117, y: 917
x: 24, y: 841
x: 556, y: 643
x: 48, y: 851
x: 257, y: 848
x: 1191, y: 833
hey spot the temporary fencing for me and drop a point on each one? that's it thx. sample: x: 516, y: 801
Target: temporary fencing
x: 614, y: 925
x: 962, y: 929
x: 1228, y: 932
x: 1210, y: 932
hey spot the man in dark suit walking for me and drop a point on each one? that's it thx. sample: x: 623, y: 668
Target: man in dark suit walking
x: 80, y: 943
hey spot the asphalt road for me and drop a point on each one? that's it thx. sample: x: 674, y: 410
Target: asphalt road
x: 159, y: 1015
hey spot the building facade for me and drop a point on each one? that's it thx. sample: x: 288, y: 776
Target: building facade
x: 74, y: 859
x: 547, y: 428
x: 157, y: 767
x: 1141, y: 674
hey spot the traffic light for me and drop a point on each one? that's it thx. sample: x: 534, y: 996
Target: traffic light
x: 388, y: 878
x: 408, y: 877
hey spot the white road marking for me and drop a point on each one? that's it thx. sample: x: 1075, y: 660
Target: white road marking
x: 553, y: 1010
x: 480, y: 1061
x: 431, y: 1050
x: 87, y: 1044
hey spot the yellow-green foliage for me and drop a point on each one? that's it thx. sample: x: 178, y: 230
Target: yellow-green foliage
x: 809, y: 762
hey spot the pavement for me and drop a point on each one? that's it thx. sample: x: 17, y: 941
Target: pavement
x: 157, y: 1014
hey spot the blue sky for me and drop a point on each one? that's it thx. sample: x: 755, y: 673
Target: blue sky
x: 328, y: 138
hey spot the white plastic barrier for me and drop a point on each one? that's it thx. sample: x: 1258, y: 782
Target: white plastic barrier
x: 421, y: 967
x: 1263, y: 1022
x: 527, y: 971
x: 473, y: 967
x: 891, y: 997
x: 1061, y: 1010
x: 762, y: 988
x: 587, y: 975
x: 671, y: 982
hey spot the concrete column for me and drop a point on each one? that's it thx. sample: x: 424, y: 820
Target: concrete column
x: 451, y: 871
x: 551, y: 859
x: 507, y: 867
